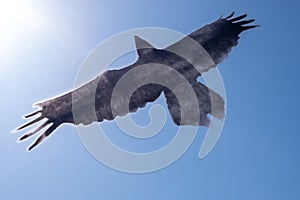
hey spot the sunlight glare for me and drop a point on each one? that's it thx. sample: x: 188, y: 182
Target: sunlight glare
x: 16, y: 19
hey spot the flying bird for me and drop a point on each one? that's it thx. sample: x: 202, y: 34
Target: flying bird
x: 216, y: 38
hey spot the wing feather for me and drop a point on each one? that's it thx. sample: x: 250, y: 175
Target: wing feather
x: 219, y: 37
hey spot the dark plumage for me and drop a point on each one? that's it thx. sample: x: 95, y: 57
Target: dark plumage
x: 216, y: 38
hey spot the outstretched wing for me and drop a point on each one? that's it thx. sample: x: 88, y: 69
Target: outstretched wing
x: 52, y: 125
x: 220, y: 36
x: 217, y: 39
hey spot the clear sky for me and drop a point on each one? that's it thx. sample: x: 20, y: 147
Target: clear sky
x: 257, y: 156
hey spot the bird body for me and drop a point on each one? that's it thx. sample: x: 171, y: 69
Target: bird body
x: 216, y: 38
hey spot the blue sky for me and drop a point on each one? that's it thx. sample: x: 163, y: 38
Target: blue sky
x: 257, y: 156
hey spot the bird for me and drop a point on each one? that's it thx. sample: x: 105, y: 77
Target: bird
x: 92, y: 102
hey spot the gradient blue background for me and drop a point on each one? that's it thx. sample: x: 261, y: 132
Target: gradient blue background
x: 257, y: 156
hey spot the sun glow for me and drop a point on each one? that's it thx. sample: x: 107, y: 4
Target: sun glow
x: 16, y: 19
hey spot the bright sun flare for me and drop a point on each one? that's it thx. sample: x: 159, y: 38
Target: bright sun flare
x: 15, y: 20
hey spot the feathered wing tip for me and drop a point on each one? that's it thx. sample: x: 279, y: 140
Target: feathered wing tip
x: 46, y: 133
x: 30, y: 123
x: 236, y: 21
x: 236, y: 18
x: 229, y: 16
x: 32, y: 114
x: 35, y: 131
